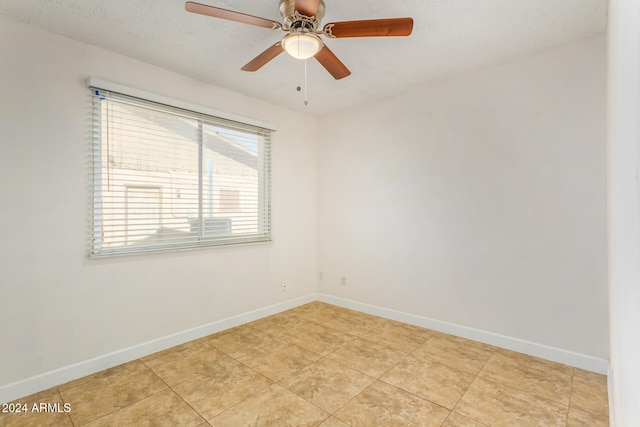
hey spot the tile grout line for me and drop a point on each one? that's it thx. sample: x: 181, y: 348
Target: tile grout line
x: 379, y: 378
x: 246, y: 398
x: 374, y: 342
x: 174, y: 391
x: 326, y: 357
x: 573, y: 375
x: 119, y: 408
x: 313, y: 316
x: 276, y: 382
x: 63, y: 401
x: 408, y: 391
x: 350, y: 400
x: 469, y: 386
x: 126, y: 406
x: 497, y: 382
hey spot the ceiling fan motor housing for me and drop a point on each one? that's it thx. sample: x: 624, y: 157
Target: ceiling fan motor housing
x: 295, y: 20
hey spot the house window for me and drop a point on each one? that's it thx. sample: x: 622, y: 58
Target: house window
x: 166, y: 178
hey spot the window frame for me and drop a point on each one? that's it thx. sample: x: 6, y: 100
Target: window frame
x: 204, y: 116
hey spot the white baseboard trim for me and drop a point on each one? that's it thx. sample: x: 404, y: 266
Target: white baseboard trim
x: 554, y: 354
x: 34, y: 384
x: 46, y: 380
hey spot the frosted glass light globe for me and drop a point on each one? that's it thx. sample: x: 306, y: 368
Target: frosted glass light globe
x: 302, y: 46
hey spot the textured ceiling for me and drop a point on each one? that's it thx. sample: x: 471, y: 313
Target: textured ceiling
x: 449, y: 36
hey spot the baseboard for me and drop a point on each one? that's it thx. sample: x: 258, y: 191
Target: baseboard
x: 12, y: 391
x: 554, y: 354
x: 62, y: 375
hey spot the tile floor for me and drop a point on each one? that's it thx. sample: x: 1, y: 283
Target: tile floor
x: 321, y: 365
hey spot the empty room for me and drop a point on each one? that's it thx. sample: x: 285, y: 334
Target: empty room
x: 320, y: 213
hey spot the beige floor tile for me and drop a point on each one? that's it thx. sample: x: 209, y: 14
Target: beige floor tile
x: 318, y: 312
x: 459, y: 353
x: 317, y: 365
x: 327, y: 384
x: 238, y: 342
x: 187, y: 362
x: 30, y: 416
x: 579, y: 418
x: 316, y: 338
x: 107, y: 391
x: 384, y: 405
x: 398, y: 335
x: 221, y: 387
x: 163, y: 409
x: 333, y: 422
x: 430, y: 380
x: 546, y: 379
x: 353, y: 322
x: 535, y: 361
x: 278, y: 325
x: 169, y: 350
x: 374, y: 359
x: 589, y: 392
x: 277, y: 359
x: 502, y: 406
x: 274, y: 407
x: 457, y: 420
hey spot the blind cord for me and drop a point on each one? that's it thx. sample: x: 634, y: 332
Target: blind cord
x: 108, y: 146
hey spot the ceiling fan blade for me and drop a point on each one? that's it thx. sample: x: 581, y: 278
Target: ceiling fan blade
x: 217, y: 12
x: 370, y: 28
x: 256, y: 63
x: 332, y: 64
x: 307, y: 7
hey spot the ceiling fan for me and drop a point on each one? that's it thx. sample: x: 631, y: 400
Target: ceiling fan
x: 301, y: 22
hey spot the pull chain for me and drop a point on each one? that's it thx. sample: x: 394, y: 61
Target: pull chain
x: 298, y: 88
x: 305, y: 83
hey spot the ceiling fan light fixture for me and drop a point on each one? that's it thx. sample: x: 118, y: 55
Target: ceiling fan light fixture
x: 302, y: 45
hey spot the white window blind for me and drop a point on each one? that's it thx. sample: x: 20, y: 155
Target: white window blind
x: 166, y: 178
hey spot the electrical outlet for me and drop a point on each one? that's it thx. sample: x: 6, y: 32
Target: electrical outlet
x: 344, y: 281
x: 283, y: 287
x: 320, y: 275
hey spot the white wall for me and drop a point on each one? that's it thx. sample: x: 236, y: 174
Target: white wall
x: 57, y: 306
x: 478, y: 200
x: 624, y: 210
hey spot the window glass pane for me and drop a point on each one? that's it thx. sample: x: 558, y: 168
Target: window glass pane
x: 231, y: 184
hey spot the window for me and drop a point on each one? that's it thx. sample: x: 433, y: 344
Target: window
x: 166, y: 178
